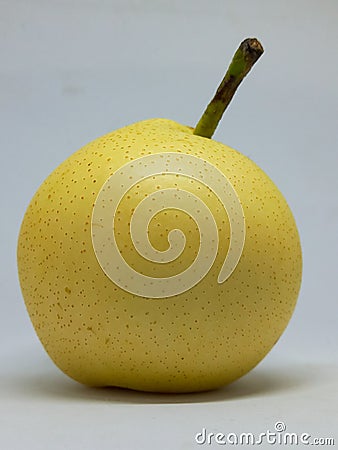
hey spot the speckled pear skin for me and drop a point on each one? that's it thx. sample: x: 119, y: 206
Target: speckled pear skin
x: 204, y: 338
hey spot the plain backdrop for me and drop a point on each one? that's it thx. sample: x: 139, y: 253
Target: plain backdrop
x: 72, y: 70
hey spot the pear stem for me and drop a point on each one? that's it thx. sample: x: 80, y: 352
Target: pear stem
x: 245, y: 57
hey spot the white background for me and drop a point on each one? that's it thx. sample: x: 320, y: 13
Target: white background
x: 72, y: 70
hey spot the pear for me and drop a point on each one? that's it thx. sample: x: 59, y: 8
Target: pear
x: 158, y: 259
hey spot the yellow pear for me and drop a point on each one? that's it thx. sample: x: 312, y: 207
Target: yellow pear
x: 158, y: 259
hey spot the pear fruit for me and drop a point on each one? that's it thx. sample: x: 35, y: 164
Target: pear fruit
x: 158, y: 259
